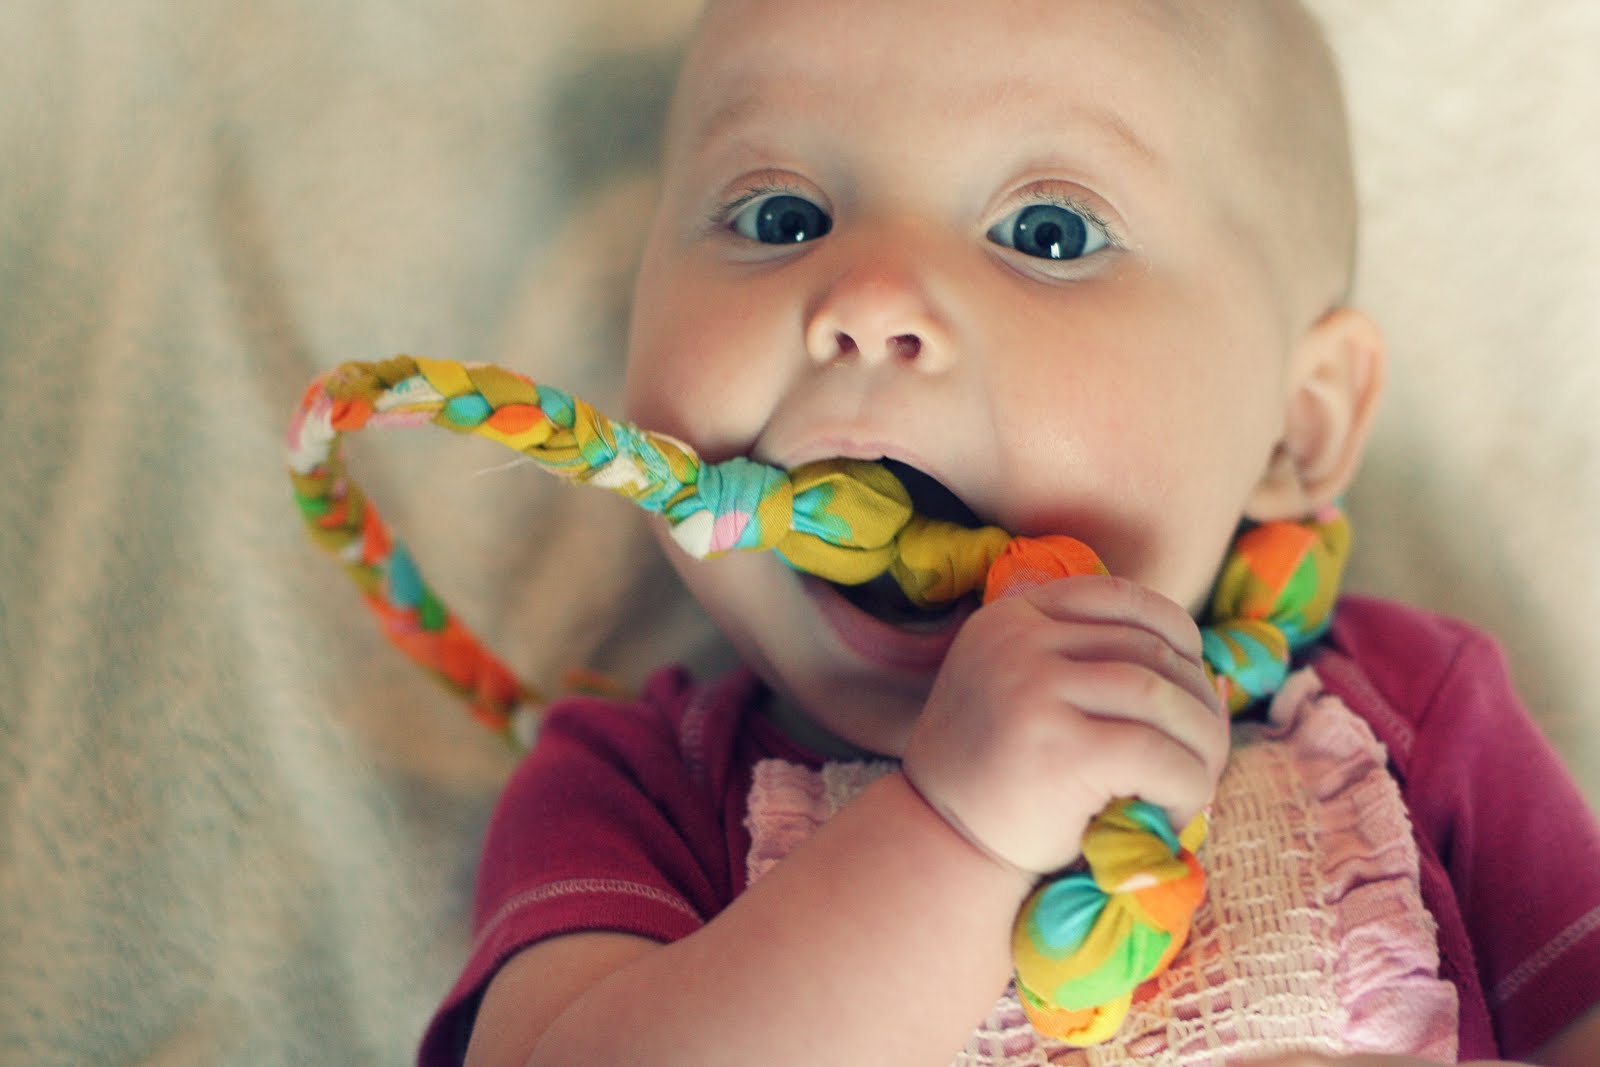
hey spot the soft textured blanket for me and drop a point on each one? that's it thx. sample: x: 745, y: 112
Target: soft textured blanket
x: 234, y: 826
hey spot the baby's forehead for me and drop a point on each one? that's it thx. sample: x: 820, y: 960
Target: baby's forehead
x: 1147, y: 62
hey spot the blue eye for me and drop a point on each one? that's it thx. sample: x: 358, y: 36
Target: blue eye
x: 1050, y: 231
x: 781, y: 219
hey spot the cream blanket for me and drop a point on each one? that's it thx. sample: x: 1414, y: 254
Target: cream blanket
x: 234, y: 827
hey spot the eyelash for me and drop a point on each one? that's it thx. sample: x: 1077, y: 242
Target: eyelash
x: 1057, y: 198
x: 722, y: 215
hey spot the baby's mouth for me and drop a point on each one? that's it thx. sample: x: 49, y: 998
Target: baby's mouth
x: 882, y: 597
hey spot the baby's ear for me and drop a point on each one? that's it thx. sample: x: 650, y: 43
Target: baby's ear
x: 1335, y: 379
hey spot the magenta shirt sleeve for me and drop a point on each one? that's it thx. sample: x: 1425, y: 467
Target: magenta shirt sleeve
x: 602, y: 827
x: 1498, y: 816
x: 1521, y: 847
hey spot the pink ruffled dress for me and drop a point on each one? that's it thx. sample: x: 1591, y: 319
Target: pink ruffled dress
x: 1313, y: 936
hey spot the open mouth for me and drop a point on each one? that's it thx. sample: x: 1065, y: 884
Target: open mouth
x: 882, y: 597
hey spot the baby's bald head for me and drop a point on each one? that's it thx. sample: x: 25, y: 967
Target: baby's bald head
x: 1297, y: 188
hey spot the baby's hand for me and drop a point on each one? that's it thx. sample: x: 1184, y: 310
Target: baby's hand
x: 1055, y: 701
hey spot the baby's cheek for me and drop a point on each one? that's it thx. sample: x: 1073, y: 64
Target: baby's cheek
x: 664, y: 392
x: 1170, y: 536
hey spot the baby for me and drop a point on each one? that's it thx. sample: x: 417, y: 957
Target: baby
x: 1072, y: 266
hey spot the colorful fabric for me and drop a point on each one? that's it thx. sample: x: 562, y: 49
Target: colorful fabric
x: 1083, y: 942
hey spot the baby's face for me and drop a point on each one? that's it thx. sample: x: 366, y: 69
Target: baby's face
x: 1011, y: 245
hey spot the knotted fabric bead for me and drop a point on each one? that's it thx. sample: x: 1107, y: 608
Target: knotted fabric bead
x: 1085, y: 940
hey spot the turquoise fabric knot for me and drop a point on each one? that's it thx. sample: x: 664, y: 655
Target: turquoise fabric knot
x: 405, y: 586
x: 467, y: 410
x: 812, y: 515
x: 557, y: 405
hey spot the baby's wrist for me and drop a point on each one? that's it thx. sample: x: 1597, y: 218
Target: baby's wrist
x: 958, y: 827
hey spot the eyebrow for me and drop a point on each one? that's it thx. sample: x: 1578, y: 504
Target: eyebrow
x: 1122, y: 133
x: 728, y: 116
x: 1091, y: 116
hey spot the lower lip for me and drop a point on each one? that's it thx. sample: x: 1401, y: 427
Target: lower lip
x: 878, y: 642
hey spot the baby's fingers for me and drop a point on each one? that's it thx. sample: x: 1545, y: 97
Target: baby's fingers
x: 1125, y: 692
x: 1101, y: 641
x: 1149, y: 737
x: 1100, y: 599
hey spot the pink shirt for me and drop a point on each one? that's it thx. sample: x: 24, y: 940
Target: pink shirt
x: 632, y: 818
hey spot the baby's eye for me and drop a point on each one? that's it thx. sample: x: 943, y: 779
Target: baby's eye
x: 1050, y: 231
x: 781, y: 219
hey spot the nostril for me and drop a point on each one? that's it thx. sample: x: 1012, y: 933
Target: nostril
x: 906, y: 346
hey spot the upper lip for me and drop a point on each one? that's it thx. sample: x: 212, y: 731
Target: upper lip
x: 850, y: 447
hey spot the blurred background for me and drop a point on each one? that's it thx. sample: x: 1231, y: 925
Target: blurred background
x: 234, y: 826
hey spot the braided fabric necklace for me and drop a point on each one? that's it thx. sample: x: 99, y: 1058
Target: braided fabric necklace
x: 1084, y: 940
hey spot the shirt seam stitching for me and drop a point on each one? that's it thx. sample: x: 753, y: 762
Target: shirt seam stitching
x: 581, y: 886
x: 1584, y: 926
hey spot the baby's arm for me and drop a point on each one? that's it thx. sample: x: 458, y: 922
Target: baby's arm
x: 885, y: 937
x: 1576, y: 1046
x: 833, y: 946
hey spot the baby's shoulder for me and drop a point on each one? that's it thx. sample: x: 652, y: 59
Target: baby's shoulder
x: 652, y: 711
x: 676, y: 722
x: 1406, y: 651
x: 1396, y: 665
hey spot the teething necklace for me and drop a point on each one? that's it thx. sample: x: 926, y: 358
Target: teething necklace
x: 1085, y: 940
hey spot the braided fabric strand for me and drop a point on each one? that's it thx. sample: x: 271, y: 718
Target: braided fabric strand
x: 1085, y: 940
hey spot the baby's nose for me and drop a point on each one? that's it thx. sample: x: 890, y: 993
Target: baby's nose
x: 877, y: 313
